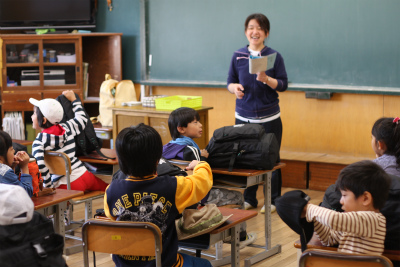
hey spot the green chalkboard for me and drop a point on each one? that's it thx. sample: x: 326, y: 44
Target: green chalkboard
x: 335, y: 42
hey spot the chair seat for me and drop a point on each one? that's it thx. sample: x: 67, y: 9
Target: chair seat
x: 393, y: 255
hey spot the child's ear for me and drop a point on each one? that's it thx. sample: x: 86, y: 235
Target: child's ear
x: 181, y: 129
x: 382, y: 146
x: 44, y: 121
x: 367, y: 199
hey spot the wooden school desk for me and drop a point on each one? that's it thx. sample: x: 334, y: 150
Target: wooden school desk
x: 98, y: 160
x: 243, y: 178
x: 231, y: 228
x: 23, y: 142
x: 56, y: 204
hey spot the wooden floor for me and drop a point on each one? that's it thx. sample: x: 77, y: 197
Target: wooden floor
x: 281, y: 234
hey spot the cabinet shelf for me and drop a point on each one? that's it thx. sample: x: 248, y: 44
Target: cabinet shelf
x: 47, y: 64
x: 37, y: 77
x: 21, y: 65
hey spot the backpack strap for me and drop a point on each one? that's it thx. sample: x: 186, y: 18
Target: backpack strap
x: 233, y: 157
x: 195, y: 152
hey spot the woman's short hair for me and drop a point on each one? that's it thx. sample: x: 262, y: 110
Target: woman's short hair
x: 181, y: 117
x: 39, y: 116
x: 139, y: 148
x: 363, y: 176
x: 5, y: 144
x: 261, y: 19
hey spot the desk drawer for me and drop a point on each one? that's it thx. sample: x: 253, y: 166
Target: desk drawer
x: 19, y: 101
x: 295, y: 174
x: 323, y: 175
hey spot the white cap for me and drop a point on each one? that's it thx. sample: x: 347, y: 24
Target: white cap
x: 50, y: 108
x: 15, y: 205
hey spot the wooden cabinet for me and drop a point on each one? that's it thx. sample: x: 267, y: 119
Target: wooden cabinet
x: 158, y: 119
x: 42, y: 66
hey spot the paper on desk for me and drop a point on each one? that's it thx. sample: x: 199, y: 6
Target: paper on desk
x: 131, y: 103
x: 259, y: 64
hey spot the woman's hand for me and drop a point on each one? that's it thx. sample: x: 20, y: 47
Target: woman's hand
x: 192, y: 165
x: 262, y: 77
x: 237, y: 89
x: 204, y: 153
x: 70, y: 95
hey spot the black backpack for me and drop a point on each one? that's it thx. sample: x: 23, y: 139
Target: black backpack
x: 31, y: 244
x: 87, y: 141
x: 245, y: 146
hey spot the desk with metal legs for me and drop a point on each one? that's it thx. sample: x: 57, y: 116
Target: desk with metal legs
x: 244, y: 178
x: 231, y: 228
x: 56, y: 204
x: 98, y: 159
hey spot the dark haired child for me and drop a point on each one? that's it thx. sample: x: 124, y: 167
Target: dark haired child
x: 8, y: 161
x: 361, y: 228
x: 386, y: 144
x: 153, y: 198
x: 184, y: 125
x: 56, y: 136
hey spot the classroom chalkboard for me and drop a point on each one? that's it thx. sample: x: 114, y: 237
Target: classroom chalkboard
x: 335, y: 42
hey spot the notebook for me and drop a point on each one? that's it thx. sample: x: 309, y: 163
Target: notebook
x: 259, y: 64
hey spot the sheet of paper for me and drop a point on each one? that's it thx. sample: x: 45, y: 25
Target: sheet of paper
x: 259, y: 64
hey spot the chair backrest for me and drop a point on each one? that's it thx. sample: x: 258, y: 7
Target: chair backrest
x: 59, y: 164
x: 121, y: 238
x: 327, y: 258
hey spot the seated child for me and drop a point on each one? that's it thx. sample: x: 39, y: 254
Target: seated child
x: 386, y: 144
x: 156, y: 199
x: 8, y: 161
x: 184, y: 125
x: 56, y: 136
x: 361, y: 228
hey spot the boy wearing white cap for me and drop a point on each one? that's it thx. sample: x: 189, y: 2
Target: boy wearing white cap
x: 56, y: 136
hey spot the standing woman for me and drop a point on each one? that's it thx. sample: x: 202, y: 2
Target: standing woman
x: 257, y: 98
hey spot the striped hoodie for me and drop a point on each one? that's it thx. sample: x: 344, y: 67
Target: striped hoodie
x: 60, y: 138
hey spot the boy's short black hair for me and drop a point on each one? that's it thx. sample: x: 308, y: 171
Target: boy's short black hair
x: 181, y: 117
x: 364, y: 176
x: 39, y: 116
x: 5, y: 144
x: 139, y: 148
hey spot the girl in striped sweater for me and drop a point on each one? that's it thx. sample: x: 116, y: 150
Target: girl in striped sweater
x: 56, y: 136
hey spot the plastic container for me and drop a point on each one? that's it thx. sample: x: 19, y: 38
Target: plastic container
x: 66, y: 59
x: 52, y: 56
x: 177, y: 101
x: 149, y: 101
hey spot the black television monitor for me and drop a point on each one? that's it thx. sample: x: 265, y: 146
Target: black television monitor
x: 45, y: 14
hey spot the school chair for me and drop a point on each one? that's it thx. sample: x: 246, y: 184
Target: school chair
x: 392, y: 255
x: 60, y: 164
x: 121, y: 238
x: 328, y: 258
